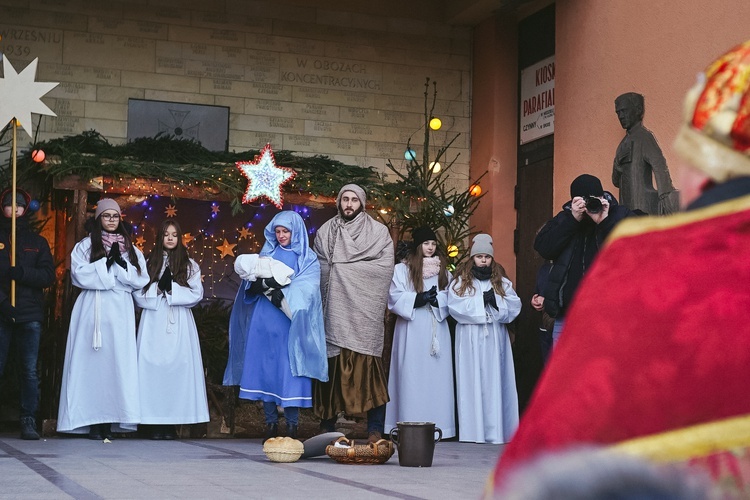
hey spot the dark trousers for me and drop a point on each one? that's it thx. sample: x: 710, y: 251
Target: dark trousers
x: 25, y: 336
x: 271, y: 412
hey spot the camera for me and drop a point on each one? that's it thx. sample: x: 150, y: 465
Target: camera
x: 593, y: 204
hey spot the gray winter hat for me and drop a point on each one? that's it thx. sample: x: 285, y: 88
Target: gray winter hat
x: 482, y: 244
x: 106, y: 204
x: 354, y: 189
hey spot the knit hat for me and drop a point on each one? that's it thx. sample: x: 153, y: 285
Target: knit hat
x: 715, y: 136
x: 22, y: 198
x: 356, y: 190
x: 106, y: 204
x: 422, y: 234
x: 482, y: 244
x: 586, y: 185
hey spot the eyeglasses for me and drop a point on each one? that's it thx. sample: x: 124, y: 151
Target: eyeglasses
x: 111, y: 216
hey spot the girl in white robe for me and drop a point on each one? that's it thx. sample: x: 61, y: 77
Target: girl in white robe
x: 170, y: 369
x: 99, y: 393
x: 420, y: 382
x: 482, y: 301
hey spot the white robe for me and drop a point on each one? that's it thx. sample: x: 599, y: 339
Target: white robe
x: 100, y: 385
x: 487, y: 397
x: 170, y: 369
x: 420, y: 383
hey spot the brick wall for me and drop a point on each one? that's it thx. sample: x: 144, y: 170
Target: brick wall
x: 304, y: 79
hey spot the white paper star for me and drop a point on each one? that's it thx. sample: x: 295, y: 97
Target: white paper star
x: 265, y: 178
x: 20, y: 95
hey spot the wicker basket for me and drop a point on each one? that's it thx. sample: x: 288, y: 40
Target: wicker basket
x: 370, y: 453
x: 283, y: 449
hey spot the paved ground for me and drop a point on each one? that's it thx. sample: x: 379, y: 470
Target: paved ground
x: 59, y: 467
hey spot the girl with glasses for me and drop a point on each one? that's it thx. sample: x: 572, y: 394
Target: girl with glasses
x: 99, y: 392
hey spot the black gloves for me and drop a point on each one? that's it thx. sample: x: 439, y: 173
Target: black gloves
x: 116, y: 256
x: 255, y: 288
x: 16, y: 273
x: 7, y: 311
x: 271, y: 283
x: 165, y: 282
x: 489, y: 299
x: 276, y: 297
x: 424, y: 298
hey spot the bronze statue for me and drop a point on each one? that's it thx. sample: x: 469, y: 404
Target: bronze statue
x: 639, y: 160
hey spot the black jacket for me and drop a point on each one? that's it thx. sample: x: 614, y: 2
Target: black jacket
x: 572, y: 246
x: 34, y: 256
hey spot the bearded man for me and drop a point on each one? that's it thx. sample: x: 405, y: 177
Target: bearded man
x: 356, y: 265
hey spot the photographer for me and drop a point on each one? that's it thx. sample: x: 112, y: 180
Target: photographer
x: 572, y: 239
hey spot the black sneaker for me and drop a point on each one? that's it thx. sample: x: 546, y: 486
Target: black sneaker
x: 374, y: 437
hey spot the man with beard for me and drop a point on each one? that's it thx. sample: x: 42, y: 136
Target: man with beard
x: 356, y: 265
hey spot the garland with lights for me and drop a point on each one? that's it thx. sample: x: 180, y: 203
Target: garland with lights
x: 180, y: 163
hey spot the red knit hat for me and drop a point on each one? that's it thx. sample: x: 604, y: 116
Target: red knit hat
x: 716, y: 135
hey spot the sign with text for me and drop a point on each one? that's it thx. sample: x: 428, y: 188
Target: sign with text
x: 537, y: 100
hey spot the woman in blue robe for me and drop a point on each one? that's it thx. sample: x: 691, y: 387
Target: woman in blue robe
x: 274, y: 357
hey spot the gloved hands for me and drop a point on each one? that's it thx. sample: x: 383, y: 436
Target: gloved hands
x: 255, y: 288
x: 489, y: 299
x: 116, y: 256
x: 165, y: 282
x: 433, y: 297
x: 16, y: 273
x: 7, y: 311
x: 276, y: 297
x: 271, y: 283
x: 424, y: 298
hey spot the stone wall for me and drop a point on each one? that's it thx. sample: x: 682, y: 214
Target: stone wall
x: 305, y: 79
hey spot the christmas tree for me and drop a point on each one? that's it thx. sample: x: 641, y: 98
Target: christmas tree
x: 420, y: 197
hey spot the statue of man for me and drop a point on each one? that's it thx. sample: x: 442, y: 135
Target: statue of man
x: 639, y: 160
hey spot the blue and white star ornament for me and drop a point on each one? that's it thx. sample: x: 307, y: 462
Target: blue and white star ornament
x: 21, y: 95
x: 265, y: 178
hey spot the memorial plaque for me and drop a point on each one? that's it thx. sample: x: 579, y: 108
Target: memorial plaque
x: 214, y: 69
x: 156, y: 81
x: 336, y: 74
x: 119, y: 26
x: 64, y: 125
x: 302, y: 143
x: 208, y: 125
x: 199, y: 51
x: 236, y: 55
x: 26, y: 43
x: 212, y: 36
x: 107, y: 51
x: 117, y: 94
x: 170, y: 65
x: 44, y: 19
x: 67, y: 107
x: 240, y: 140
x: 73, y: 90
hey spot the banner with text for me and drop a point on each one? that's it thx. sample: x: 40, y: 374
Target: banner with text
x: 538, y: 100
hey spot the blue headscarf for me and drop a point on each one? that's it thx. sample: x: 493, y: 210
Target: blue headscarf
x: 307, y: 338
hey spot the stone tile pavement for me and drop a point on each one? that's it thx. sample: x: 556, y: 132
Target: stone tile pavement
x: 75, y: 467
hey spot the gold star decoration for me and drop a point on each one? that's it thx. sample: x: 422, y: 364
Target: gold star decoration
x: 171, y: 211
x: 21, y: 95
x: 244, y: 233
x: 226, y: 249
x: 215, y: 209
x: 187, y: 238
x: 139, y: 242
x: 265, y: 178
